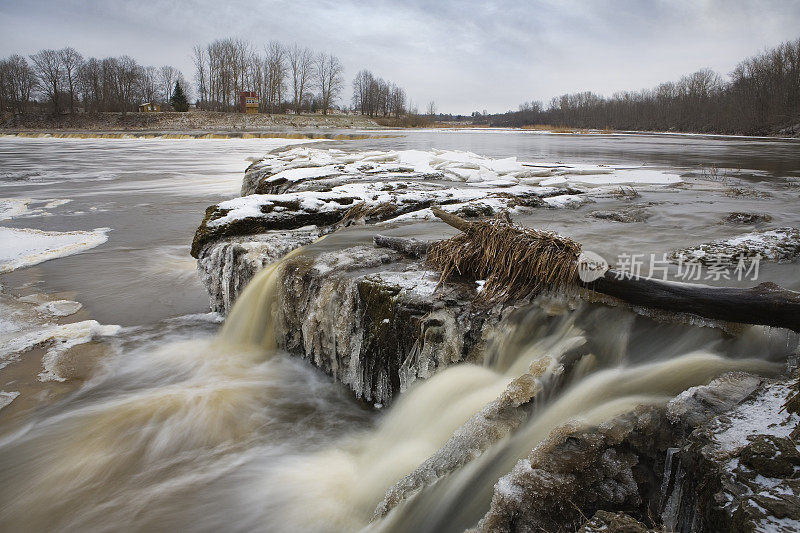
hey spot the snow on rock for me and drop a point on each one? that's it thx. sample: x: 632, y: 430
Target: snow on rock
x: 781, y: 245
x: 369, y: 202
x: 566, y: 201
x: 740, y: 468
x: 21, y: 247
x: 762, y: 415
x: 448, y: 165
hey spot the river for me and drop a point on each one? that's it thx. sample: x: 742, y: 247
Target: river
x: 169, y: 424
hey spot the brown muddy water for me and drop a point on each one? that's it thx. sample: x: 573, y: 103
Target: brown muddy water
x: 168, y: 423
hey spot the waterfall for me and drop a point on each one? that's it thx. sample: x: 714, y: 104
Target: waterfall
x: 229, y: 433
x: 251, y: 322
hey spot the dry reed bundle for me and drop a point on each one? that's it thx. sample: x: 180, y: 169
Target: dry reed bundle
x: 514, y: 261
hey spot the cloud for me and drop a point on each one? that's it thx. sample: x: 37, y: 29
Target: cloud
x: 465, y: 55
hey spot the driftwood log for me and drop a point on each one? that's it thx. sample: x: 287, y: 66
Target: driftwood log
x: 765, y: 304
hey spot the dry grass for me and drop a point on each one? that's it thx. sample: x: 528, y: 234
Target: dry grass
x: 554, y: 129
x: 516, y: 262
x: 458, y: 125
x: 406, y: 121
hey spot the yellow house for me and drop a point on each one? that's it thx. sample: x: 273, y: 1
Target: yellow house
x: 149, y: 107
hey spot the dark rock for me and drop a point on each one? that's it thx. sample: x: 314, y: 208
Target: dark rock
x: 608, y: 522
x: 747, y: 218
x: 628, y: 215
x: 771, y: 456
x: 577, y: 473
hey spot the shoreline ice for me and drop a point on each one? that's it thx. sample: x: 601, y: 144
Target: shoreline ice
x: 22, y: 247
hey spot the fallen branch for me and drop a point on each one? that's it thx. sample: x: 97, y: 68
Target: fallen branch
x: 765, y: 304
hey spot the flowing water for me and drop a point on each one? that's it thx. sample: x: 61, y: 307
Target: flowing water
x: 185, y: 427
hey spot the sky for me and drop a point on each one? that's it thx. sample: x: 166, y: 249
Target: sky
x: 464, y: 55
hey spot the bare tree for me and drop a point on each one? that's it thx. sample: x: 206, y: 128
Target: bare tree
x: 128, y: 73
x: 71, y: 61
x: 17, y: 81
x: 201, y: 73
x: 167, y: 76
x: 300, y: 69
x: 50, y: 73
x: 329, y: 79
x: 149, y: 83
x: 431, y: 108
x: 275, y: 74
x: 397, y: 101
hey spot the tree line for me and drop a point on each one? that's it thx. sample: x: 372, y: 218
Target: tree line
x: 759, y: 97
x: 285, y: 77
x: 372, y: 96
x: 67, y: 81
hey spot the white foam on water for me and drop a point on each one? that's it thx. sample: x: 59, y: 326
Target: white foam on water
x: 13, y: 207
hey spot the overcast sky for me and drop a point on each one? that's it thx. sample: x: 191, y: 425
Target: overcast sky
x: 464, y: 55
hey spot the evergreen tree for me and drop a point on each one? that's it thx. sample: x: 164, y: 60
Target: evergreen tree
x: 178, y: 100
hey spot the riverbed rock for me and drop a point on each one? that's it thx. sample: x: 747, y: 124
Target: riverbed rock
x: 576, y: 472
x: 747, y: 218
x: 779, y: 245
x: 377, y: 201
x: 626, y: 215
x: 718, y: 457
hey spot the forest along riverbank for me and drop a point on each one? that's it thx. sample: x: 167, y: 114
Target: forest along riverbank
x: 444, y: 413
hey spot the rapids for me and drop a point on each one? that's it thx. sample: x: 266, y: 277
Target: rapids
x: 229, y: 433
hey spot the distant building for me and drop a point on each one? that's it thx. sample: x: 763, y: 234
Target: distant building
x: 248, y: 102
x: 149, y: 107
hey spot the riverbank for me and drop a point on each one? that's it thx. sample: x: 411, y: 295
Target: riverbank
x: 221, y: 125
x: 206, y: 121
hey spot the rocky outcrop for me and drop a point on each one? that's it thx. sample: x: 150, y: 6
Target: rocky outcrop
x: 747, y: 218
x: 720, y: 457
x: 372, y: 320
x: 626, y: 215
x: 738, y: 471
x: 368, y: 317
x: 575, y: 473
